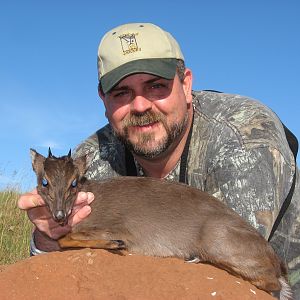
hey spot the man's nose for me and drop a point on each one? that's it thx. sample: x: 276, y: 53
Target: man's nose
x: 141, y: 104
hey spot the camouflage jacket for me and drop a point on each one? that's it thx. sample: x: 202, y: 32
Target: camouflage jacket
x: 239, y: 154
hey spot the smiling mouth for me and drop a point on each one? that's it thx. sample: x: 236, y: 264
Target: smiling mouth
x: 145, y: 127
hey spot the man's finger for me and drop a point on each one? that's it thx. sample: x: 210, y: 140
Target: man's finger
x: 84, y: 198
x: 81, y: 214
x: 30, y: 200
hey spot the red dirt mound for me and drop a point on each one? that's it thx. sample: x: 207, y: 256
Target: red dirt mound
x: 98, y: 274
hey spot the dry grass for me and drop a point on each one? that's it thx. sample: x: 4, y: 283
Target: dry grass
x: 15, y: 229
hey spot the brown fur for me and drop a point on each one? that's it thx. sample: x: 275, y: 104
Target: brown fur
x: 159, y: 218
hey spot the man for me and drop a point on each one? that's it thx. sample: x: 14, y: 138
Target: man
x: 228, y: 145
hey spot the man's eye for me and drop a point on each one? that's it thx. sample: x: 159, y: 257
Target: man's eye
x: 121, y: 94
x: 158, y: 86
x: 44, y: 182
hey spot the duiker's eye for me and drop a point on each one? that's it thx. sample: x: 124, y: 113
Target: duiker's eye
x: 74, y: 183
x: 44, y: 182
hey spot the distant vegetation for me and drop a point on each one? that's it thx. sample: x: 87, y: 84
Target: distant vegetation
x: 15, y: 229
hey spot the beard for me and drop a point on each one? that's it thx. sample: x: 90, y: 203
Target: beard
x: 143, y: 146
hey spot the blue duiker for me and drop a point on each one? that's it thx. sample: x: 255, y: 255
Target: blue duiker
x: 159, y: 218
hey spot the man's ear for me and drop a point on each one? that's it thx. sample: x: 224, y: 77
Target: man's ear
x: 37, y: 161
x: 100, y: 92
x: 187, y: 85
x: 102, y: 96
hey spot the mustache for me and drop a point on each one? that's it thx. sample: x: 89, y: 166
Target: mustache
x: 143, y: 119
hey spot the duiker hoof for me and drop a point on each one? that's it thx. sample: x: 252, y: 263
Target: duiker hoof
x: 193, y: 260
x: 120, y: 243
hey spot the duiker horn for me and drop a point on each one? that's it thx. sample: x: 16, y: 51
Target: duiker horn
x: 49, y: 153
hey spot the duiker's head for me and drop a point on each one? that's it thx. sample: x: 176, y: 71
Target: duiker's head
x: 58, y: 181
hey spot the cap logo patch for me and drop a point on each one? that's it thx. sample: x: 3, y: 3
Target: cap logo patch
x: 129, y: 43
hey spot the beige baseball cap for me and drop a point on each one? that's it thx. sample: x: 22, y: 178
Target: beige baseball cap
x: 136, y: 48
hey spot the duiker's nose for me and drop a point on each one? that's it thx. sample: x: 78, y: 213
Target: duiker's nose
x: 60, y: 216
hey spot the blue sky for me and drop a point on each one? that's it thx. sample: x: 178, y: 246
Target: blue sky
x: 48, y: 75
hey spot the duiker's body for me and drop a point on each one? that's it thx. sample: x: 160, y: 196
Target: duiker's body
x: 159, y: 218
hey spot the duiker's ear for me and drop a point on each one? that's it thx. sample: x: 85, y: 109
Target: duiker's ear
x: 82, y: 163
x: 37, y: 161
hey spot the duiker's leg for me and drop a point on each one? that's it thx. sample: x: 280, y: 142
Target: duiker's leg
x: 82, y: 240
x: 262, y: 275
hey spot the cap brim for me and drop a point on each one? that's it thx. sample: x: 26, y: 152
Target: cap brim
x: 162, y: 67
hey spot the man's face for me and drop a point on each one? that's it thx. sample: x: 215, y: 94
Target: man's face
x: 149, y: 114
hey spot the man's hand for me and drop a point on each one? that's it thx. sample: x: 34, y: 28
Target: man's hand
x: 47, y: 230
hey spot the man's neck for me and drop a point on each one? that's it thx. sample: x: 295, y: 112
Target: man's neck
x: 162, y: 166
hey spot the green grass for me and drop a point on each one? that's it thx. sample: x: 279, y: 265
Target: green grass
x: 15, y: 229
